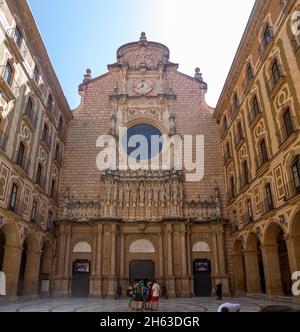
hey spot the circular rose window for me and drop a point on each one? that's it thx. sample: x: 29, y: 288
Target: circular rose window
x: 142, y: 142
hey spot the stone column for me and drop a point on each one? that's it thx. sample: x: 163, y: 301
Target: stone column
x: 252, y: 272
x: 112, y: 280
x: 185, y: 287
x: 123, y: 278
x: 12, y: 270
x: 272, y: 269
x: 96, y: 278
x: 58, y: 279
x: 189, y: 261
x: 170, y: 279
x: 32, y: 273
x: 239, y: 273
x: 67, y: 278
x: 222, y: 263
x: 161, y: 258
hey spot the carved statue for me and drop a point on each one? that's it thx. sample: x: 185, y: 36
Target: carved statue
x: 142, y: 193
x: 121, y: 194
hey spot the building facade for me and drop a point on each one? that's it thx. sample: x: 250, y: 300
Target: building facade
x: 259, y: 114
x: 69, y: 227
x: 33, y: 119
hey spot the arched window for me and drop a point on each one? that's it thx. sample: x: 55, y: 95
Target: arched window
x: 246, y: 172
x: 225, y: 123
x: 236, y: 101
x: 255, y: 106
x: 264, y: 151
x: 268, y: 36
x: 36, y: 74
x: 20, y: 156
x: 50, y: 221
x: 50, y: 102
x: 61, y: 128
x: 276, y: 73
x: 231, y: 193
x: 249, y: 73
x: 269, y: 196
x: 249, y: 210
x: 296, y: 173
x: 288, y: 123
x: 34, y: 211
x: 53, y: 189
x: 39, y: 175
x: 227, y: 151
x: 8, y: 74
x: 29, y: 108
x: 18, y: 36
x: 13, y: 198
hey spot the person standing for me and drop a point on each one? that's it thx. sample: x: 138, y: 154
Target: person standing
x: 148, y: 295
x: 155, y: 296
x: 130, y: 296
x: 219, y: 291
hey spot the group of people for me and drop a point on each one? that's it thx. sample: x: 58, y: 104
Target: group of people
x: 143, y: 295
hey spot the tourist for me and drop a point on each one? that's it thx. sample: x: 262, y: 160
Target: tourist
x: 155, y: 296
x: 130, y: 296
x: 219, y: 291
x: 148, y: 295
x: 138, y: 296
x: 229, y: 307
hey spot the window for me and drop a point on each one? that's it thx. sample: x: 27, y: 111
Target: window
x: 276, y: 72
x: 45, y: 133
x: 246, y: 172
x: 296, y: 173
x: 264, y: 151
x: 228, y: 154
x: 50, y: 220
x: 240, y: 132
x: 29, y: 108
x: 13, y: 198
x: 231, y: 188
x: 39, y: 174
x: 34, y: 210
x: 249, y: 210
x: 36, y: 74
x: 236, y: 101
x: 8, y: 74
x: 225, y: 123
x: 50, y: 102
x: 267, y: 35
x: 255, y: 106
x: 52, y: 191
x: 288, y: 123
x: 61, y: 126
x: 249, y: 73
x: 269, y: 195
x: 57, y: 152
x: 18, y: 37
x: 21, y: 154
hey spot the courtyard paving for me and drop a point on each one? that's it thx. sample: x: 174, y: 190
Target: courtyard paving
x: 105, y: 305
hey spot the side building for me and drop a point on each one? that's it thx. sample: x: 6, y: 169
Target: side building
x: 34, y: 115
x: 259, y: 116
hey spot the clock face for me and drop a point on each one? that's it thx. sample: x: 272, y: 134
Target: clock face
x: 143, y: 87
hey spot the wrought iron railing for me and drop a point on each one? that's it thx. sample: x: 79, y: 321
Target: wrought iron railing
x: 262, y: 158
x: 244, y: 181
x: 19, y: 42
x: 292, y: 190
x: 254, y: 113
x: 21, y: 161
x: 267, y: 206
x: 239, y: 138
x: 46, y: 138
x: 41, y: 181
x: 265, y: 43
x: 16, y: 206
x: 31, y: 115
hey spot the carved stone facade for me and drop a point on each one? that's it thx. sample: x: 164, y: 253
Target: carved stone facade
x: 132, y: 217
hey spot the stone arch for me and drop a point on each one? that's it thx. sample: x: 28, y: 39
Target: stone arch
x: 142, y: 246
x: 11, y: 233
x: 240, y: 284
x: 201, y: 246
x: 82, y: 247
x: 276, y: 260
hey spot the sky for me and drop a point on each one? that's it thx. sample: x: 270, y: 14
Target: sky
x: 86, y: 34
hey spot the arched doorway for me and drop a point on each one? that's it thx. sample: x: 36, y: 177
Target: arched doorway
x: 239, y: 268
x: 202, y: 269
x: 254, y: 265
x: 277, y: 261
x: 81, y: 270
x: 2, y: 245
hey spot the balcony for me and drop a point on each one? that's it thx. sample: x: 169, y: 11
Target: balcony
x: 275, y: 80
x: 262, y: 159
x: 267, y: 206
x: 291, y: 190
x: 38, y: 220
x: 244, y: 181
x: 287, y: 131
x: 238, y: 139
x: 17, y: 208
x: 23, y: 163
x: 30, y: 117
x: 46, y: 140
x: 17, y: 45
x: 3, y: 141
x: 9, y: 90
x: 265, y: 44
x: 41, y: 182
x: 253, y: 115
x: 246, y: 84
